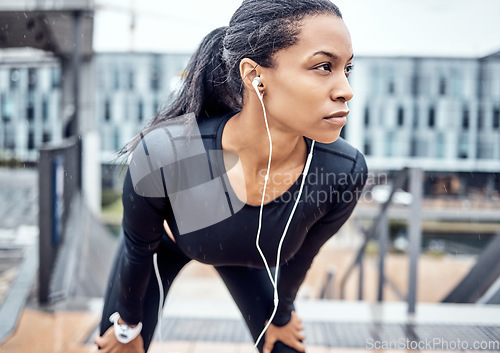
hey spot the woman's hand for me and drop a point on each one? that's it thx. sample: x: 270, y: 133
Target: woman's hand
x: 290, y: 334
x: 109, y: 343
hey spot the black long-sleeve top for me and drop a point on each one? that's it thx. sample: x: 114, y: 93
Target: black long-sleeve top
x: 333, y: 185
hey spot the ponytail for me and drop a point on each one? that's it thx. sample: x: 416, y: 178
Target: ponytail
x: 205, y: 91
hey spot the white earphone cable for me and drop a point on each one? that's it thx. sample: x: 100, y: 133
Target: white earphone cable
x: 274, y: 281
x: 278, y: 255
x: 160, y: 304
x: 266, y: 179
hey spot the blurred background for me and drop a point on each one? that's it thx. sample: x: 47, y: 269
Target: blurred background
x: 79, y: 78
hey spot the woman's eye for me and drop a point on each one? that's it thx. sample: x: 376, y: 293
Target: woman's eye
x: 348, y: 69
x: 325, y: 67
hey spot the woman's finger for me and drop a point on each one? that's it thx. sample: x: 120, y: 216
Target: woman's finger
x: 268, y: 346
x: 299, y: 327
x: 298, y: 346
x: 98, y: 340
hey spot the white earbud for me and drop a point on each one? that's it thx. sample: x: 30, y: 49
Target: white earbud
x: 256, y: 84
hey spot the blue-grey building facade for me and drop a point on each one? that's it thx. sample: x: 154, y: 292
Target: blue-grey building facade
x: 130, y: 88
x: 435, y: 113
x: 30, y: 99
x: 440, y: 114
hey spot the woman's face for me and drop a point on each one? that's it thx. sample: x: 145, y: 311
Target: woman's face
x: 306, y: 92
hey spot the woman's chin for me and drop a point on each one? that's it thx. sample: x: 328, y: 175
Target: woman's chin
x: 326, y: 139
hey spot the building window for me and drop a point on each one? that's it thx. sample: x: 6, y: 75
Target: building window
x: 131, y: 78
x: 102, y: 78
x: 45, y: 109
x: 30, y: 110
x: 116, y: 139
x: 463, y: 148
x: 442, y: 86
x: 9, y: 136
x: 401, y: 116
x: 155, y: 105
x: 415, y: 116
x: 15, y: 76
x: 367, y: 148
x: 107, y: 110
x: 31, y: 140
x: 155, y: 80
x: 6, y: 108
x: 116, y: 79
x: 46, y: 137
x: 440, y: 145
x: 480, y: 119
x: 32, y: 78
x: 140, y: 111
x: 414, y: 85
x: 389, y: 144
x: 55, y: 77
x: 496, y: 118
x: 367, y: 116
x: 485, y: 151
x: 432, y: 117
x: 155, y: 74
x: 413, y: 147
x: 457, y: 84
x: 390, y: 87
x: 465, y: 119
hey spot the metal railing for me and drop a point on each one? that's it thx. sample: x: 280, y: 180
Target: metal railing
x: 380, y: 226
x: 59, y: 180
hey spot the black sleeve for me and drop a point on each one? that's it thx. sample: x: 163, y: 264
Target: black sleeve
x: 292, y: 274
x: 142, y: 229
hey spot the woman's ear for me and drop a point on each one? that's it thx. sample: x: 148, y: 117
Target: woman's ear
x: 249, y: 70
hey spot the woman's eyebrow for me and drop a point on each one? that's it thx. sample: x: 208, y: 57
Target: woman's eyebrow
x: 330, y: 55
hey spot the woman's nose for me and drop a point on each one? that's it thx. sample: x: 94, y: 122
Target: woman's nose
x: 342, y: 90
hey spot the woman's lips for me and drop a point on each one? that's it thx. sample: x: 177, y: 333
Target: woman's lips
x: 338, y: 118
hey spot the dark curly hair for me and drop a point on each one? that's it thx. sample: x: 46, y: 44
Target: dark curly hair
x: 257, y: 30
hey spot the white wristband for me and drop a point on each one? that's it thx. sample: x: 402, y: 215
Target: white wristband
x: 124, y: 333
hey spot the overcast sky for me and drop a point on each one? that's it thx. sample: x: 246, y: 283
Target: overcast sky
x: 463, y: 28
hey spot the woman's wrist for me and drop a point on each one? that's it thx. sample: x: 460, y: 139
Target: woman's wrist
x: 123, y: 332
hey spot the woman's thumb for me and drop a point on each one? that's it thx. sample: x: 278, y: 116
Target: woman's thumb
x: 268, y: 347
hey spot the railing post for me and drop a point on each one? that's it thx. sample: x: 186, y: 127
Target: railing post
x: 45, y: 224
x: 383, y: 244
x: 58, y: 181
x: 328, y: 290
x: 361, y: 279
x: 414, y: 234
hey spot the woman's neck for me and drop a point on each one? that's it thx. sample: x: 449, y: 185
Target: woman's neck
x: 245, y: 134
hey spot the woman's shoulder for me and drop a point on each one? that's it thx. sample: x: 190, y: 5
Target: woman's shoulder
x: 170, y: 149
x: 155, y: 160
x: 340, y: 156
x: 340, y: 149
x: 340, y: 164
x: 209, y: 127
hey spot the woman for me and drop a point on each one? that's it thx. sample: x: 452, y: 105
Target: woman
x: 272, y: 89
